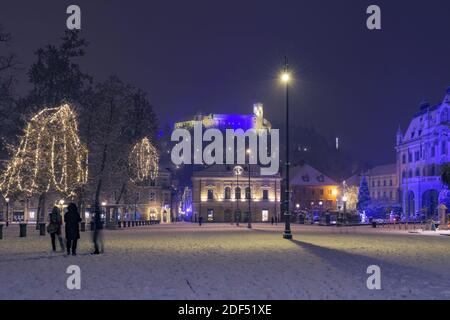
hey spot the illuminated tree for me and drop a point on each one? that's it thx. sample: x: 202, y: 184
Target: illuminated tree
x: 50, y: 157
x: 143, y: 162
x: 363, y: 195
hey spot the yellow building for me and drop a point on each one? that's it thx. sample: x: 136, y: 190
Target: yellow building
x: 221, y: 193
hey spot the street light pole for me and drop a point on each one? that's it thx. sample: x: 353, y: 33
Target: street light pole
x: 249, y: 194
x: 7, y: 211
x: 287, y: 215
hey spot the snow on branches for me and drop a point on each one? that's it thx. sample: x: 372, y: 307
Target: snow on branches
x: 50, y: 156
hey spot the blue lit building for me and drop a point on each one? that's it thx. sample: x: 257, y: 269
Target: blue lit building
x: 421, y: 151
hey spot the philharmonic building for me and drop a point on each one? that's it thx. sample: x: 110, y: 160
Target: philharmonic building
x: 421, y: 150
x: 224, y: 193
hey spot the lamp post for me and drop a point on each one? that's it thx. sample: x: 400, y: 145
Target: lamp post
x: 344, y: 200
x: 285, y: 77
x: 249, y: 225
x: 7, y: 211
x: 237, y: 172
x: 61, y: 206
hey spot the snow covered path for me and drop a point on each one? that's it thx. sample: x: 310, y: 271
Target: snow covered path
x: 220, y: 261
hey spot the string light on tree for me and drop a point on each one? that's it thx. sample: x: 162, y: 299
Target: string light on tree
x: 143, y: 162
x: 50, y: 156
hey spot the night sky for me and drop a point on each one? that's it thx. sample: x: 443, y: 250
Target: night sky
x: 221, y: 56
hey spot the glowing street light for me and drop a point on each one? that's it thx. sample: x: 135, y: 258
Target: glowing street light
x: 285, y: 77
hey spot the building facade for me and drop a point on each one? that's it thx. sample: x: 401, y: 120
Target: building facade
x: 312, y: 190
x: 224, y: 193
x: 421, y: 151
x: 383, y: 184
x: 230, y: 121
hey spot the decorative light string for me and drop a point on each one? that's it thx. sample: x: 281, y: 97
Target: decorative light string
x: 143, y: 162
x: 50, y: 156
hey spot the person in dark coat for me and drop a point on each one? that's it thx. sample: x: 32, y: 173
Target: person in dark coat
x: 54, y: 228
x: 200, y: 220
x: 72, y: 220
x: 272, y: 220
x: 97, y: 237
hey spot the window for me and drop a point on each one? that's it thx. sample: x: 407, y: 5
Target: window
x: 237, y: 193
x: 265, y: 215
x: 384, y: 183
x: 152, y: 196
x: 410, y: 173
x: 373, y: 183
x: 210, y: 194
x: 210, y: 214
x: 390, y: 182
x: 266, y: 194
x: 410, y: 157
x: 390, y: 195
x: 321, y: 192
x: 227, y: 193
x: 444, y: 147
x: 379, y: 183
x: 433, y: 151
x: 417, y: 172
x: 404, y: 158
x: 384, y: 194
x: 248, y: 194
x: 404, y: 174
x: 417, y: 156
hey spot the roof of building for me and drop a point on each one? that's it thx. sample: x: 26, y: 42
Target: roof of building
x: 386, y: 169
x: 306, y: 175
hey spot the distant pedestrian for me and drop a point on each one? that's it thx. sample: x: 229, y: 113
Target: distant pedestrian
x: 97, y: 237
x: 200, y: 220
x: 54, y: 228
x: 272, y: 220
x: 276, y: 220
x: 72, y: 220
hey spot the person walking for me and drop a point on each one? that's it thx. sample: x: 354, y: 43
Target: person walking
x: 72, y: 220
x: 54, y: 228
x: 200, y: 220
x: 272, y: 220
x: 97, y: 237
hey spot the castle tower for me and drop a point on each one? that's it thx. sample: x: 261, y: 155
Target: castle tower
x: 258, y: 112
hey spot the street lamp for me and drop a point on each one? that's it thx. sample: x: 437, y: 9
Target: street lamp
x: 249, y: 225
x: 61, y: 205
x: 237, y: 171
x: 285, y: 78
x: 7, y: 211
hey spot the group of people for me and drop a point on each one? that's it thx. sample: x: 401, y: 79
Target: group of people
x: 72, y: 221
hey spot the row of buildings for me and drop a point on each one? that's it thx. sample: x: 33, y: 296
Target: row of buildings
x: 228, y: 193
x: 411, y: 185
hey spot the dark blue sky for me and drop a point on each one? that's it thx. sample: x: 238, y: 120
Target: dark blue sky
x: 222, y: 56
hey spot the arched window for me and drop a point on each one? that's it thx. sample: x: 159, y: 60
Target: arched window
x: 237, y: 193
x: 227, y: 193
x: 417, y: 172
x: 247, y: 193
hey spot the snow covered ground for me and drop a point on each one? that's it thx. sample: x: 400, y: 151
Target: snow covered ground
x: 220, y: 261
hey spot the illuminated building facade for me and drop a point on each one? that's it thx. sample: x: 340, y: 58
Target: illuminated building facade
x: 230, y: 121
x: 221, y: 194
x: 421, y: 150
x: 312, y: 190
